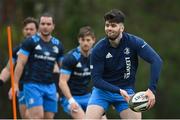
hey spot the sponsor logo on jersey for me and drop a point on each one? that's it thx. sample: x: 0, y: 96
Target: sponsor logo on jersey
x: 128, y: 68
x: 44, y: 57
x: 109, y: 55
x: 82, y: 74
x: 79, y: 65
x: 38, y: 47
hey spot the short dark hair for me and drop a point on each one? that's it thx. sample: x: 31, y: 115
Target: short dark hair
x: 30, y: 20
x: 115, y: 15
x: 47, y: 14
x: 85, y: 31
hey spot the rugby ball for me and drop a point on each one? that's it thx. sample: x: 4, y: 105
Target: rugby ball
x: 138, y: 102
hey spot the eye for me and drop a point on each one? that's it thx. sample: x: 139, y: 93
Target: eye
x: 42, y: 23
x: 113, y: 25
x: 107, y: 25
x: 48, y: 24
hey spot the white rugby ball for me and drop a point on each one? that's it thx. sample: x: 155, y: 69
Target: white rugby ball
x: 138, y: 102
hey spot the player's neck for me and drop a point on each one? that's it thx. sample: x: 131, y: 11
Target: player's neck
x: 85, y: 53
x: 46, y: 38
x: 116, y: 42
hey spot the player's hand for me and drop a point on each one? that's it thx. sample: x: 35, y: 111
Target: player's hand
x: 125, y: 95
x: 16, y: 91
x: 151, y: 98
x: 74, y: 107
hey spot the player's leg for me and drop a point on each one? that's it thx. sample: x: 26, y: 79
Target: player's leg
x: 94, y: 112
x: 23, y: 111
x: 50, y: 100
x: 129, y: 114
x: 97, y: 105
x: 79, y: 114
x: 83, y: 102
x: 34, y: 100
x: 22, y: 103
x: 36, y: 112
x: 48, y: 115
x: 122, y: 107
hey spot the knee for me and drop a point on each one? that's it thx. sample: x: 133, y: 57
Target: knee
x: 35, y: 115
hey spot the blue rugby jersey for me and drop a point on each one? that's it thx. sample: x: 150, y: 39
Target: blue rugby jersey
x: 78, y: 67
x: 115, y: 68
x: 41, y: 58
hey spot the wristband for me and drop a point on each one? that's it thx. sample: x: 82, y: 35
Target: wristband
x: 71, y: 100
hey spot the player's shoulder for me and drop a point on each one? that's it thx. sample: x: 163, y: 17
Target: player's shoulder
x: 56, y: 41
x: 132, y: 38
x: 75, y: 53
x: 72, y: 56
x: 31, y: 40
x: 35, y: 38
x: 101, y: 44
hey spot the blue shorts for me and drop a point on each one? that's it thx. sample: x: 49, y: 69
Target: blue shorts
x: 37, y: 94
x: 21, y: 98
x: 81, y: 100
x: 105, y: 98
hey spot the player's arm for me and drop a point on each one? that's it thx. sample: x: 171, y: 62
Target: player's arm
x: 21, y: 62
x: 64, y: 77
x: 23, y: 54
x: 149, y: 55
x: 97, y: 69
x: 65, y: 74
x: 5, y: 74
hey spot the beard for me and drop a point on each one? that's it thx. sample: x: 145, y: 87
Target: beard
x: 45, y: 33
x: 113, y: 36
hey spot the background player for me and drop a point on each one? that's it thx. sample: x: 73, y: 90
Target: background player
x: 39, y: 53
x: 75, y: 75
x: 30, y: 27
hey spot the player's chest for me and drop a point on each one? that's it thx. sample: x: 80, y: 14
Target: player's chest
x: 45, y: 52
x: 82, y: 67
x: 118, y: 57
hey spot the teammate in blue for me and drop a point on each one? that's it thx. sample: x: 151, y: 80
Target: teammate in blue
x: 39, y: 54
x: 30, y: 27
x: 75, y: 75
x: 114, y: 63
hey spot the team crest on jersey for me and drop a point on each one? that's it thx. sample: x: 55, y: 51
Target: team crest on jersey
x: 79, y: 65
x: 55, y: 49
x: 31, y: 101
x: 126, y: 51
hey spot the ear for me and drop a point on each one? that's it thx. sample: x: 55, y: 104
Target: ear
x: 79, y: 40
x: 121, y: 27
x: 53, y: 26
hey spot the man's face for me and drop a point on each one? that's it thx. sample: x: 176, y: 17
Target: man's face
x: 46, y: 26
x: 113, y: 30
x: 29, y: 30
x: 86, y: 43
